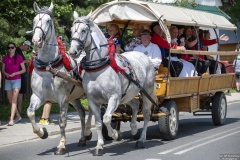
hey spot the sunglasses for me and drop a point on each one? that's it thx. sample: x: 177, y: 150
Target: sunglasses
x: 10, y: 47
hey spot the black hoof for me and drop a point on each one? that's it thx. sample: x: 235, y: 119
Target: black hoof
x: 60, y: 151
x: 136, y: 136
x: 89, y: 137
x: 97, y: 152
x: 119, y: 136
x: 139, y: 144
x: 82, y: 142
x: 45, y: 133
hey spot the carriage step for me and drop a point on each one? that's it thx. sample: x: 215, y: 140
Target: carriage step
x: 202, y: 113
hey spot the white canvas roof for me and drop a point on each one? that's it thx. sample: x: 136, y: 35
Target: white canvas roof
x: 147, y: 12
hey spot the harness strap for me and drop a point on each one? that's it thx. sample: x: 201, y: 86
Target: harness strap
x: 61, y: 58
x: 141, y: 89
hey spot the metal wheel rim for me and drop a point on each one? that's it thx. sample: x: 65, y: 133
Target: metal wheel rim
x: 173, y: 120
x: 223, y: 108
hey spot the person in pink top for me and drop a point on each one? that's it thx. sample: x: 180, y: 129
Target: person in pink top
x: 10, y: 68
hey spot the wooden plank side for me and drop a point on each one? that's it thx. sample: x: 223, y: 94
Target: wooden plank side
x: 221, y: 81
x: 195, y: 52
x: 182, y: 86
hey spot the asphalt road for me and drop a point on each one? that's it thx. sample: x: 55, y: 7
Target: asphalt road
x: 197, y: 139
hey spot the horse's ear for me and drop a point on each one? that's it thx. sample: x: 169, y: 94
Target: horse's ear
x: 35, y: 6
x: 75, y: 15
x: 51, y: 7
x: 89, y: 15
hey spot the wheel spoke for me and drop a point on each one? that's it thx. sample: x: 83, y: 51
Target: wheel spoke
x: 223, y: 109
x: 172, y: 120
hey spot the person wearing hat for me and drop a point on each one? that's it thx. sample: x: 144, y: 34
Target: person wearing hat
x: 24, y: 46
x: 158, y: 38
x: 151, y: 50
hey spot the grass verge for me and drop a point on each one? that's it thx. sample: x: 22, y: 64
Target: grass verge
x: 5, y: 109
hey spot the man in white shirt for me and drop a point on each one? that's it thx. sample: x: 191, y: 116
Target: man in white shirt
x: 151, y: 50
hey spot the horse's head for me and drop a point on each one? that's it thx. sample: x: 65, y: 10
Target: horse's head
x: 42, y: 25
x: 81, y: 34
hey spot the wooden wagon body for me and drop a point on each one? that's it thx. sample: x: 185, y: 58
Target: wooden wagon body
x: 187, y: 94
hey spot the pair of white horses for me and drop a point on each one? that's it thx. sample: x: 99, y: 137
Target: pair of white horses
x: 103, y: 86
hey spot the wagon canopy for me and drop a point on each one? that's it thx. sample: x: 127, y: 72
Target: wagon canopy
x: 122, y: 11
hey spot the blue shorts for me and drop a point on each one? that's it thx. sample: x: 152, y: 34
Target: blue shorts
x: 12, y: 84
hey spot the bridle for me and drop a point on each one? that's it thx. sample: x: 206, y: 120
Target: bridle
x: 45, y: 12
x: 82, y: 43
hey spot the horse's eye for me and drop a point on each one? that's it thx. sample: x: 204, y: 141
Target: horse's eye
x: 83, y: 31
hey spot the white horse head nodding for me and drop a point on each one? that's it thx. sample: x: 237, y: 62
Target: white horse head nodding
x: 49, y: 88
x: 107, y: 86
x: 42, y: 26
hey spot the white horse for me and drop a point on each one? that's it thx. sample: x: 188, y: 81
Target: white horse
x: 46, y: 86
x: 103, y: 85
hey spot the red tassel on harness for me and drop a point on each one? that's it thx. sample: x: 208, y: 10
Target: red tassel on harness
x: 31, y: 66
x: 111, y: 53
x: 62, y: 50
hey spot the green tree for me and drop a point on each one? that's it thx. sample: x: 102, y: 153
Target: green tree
x: 233, y: 11
x: 16, y: 17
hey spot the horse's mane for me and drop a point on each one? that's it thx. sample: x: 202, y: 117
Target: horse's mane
x: 94, y: 27
x: 99, y: 32
x: 46, y: 11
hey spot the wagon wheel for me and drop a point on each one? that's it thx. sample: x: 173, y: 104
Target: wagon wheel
x: 168, y: 125
x: 115, y: 125
x: 219, y: 108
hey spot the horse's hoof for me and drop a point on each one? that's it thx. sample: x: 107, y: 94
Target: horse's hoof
x: 82, y: 142
x: 89, y: 137
x: 119, y: 138
x: 136, y: 136
x: 60, y: 151
x: 97, y: 152
x: 45, y: 133
x: 139, y: 144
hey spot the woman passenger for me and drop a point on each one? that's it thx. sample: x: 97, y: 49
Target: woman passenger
x: 114, y: 33
x: 190, y: 44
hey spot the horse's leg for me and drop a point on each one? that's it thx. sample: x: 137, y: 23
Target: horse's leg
x: 135, y: 107
x: 35, y: 103
x: 98, y: 151
x: 62, y: 124
x: 146, y: 113
x: 78, y: 106
x: 113, y: 103
x: 88, y: 132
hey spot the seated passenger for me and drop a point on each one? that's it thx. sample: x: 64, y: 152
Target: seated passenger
x: 151, y: 50
x: 204, y: 36
x: 137, y: 30
x: 114, y: 33
x: 188, y: 68
x: 158, y: 38
x: 191, y: 43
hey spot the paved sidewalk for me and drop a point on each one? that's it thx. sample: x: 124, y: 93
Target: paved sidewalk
x: 22, y: 131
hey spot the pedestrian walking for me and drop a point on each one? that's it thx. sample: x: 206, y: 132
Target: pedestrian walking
x: 24, y: 46
x: 10, y: 68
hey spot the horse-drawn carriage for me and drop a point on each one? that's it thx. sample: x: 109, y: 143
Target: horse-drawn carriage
x: 106, y: 83
x: 187, y: 94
